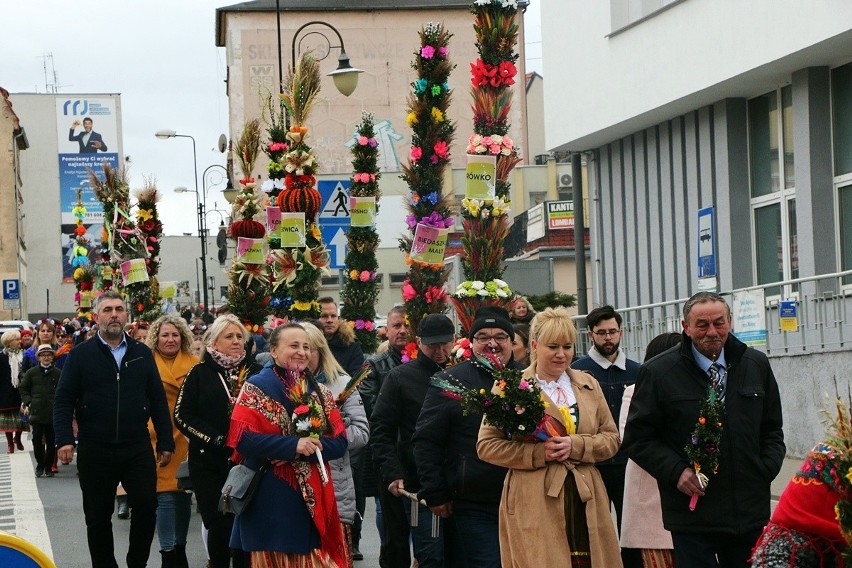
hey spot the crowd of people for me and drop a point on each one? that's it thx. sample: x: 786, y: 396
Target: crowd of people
x: 325, y: 427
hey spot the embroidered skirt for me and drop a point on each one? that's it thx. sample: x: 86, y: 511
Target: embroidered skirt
x: 657, y: 558
x: 10, y: 421
x: 314, y: 559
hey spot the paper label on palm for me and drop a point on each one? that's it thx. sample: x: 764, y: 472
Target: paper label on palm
x: 481, y: 177
x: 429, y: 244
x: 292, y: 230
x: 250, y: 251
x: 134, y: 271
x: 273, y: 220
x: 363, y: 211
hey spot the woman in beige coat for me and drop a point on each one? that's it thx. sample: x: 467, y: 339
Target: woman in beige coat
x: 554, y: 505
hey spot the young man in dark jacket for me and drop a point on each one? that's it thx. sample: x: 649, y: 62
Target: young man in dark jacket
x: 733, y: 508
x: 112, y: 386
x: 454, y: 481
x: 340, y: 337
x: 392, y: 424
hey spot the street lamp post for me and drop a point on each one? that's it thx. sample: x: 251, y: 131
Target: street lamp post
x: 199, y: 201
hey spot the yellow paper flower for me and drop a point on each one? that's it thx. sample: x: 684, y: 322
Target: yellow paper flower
x: 144, y: 214
x: 316, y: 232
x: 411, y: 119
x: 302, y: 306
x: 353, y: 275
x: 849, y: 475
x: 437, y: 115
x: 472, y: 206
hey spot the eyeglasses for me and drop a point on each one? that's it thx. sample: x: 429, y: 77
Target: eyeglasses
x: 484, y: 339
x: 607, y: 332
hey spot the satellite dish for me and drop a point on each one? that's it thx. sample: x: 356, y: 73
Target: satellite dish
x: 223, y: 143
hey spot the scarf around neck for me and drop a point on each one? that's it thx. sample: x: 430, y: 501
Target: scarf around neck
x: 15, y: 358
x: 225, y: 361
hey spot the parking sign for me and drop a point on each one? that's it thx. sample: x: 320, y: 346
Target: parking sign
x: 11, y: 294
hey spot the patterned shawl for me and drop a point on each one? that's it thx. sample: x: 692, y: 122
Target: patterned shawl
x: 264, y: 412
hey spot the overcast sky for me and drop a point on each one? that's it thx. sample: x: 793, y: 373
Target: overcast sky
x: 161, y: 57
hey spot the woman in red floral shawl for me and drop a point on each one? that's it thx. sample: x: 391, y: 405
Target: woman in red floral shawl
x: 284, y: 419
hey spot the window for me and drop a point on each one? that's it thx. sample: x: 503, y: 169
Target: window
x: 841, y: 107
x: 398, y: 279
x: 845, y: 198
x: 773, y: 188
x: 841, y: 102
x: 330, y: 282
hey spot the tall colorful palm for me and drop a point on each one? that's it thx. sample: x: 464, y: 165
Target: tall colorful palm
x: 486, y: 221
x: 360, y: 291
x: 423, y: 290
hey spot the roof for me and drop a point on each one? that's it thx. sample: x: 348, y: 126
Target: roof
x: 529, y: 78
x: 331, y: 6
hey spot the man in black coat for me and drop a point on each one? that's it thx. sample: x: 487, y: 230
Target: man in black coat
x: 341, y: 338
x: 454, y: 482
x: 391, y: 521
x: 733, y: 508
x: 392, y: 425
x: 111, y: 385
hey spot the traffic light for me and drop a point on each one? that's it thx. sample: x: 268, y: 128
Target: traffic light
x: 222, y: 243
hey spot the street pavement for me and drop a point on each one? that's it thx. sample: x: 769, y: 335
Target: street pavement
x: 48, y: 512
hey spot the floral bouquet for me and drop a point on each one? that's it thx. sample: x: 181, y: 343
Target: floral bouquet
x: 703, y: 447
x: 514, y: 405
x: 471, y: 295
x: 308, y: 418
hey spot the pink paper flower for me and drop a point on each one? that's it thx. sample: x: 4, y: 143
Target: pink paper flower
x: 443, y: 51
x: 365, y: 276
x: 368, y: 325
x: 441, y: 149
x: 408, y: 291
x: 416, y: 153
x: 363, y: 140
x: 427, y: 52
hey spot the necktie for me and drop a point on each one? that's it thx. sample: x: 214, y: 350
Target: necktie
x: 717, y: 381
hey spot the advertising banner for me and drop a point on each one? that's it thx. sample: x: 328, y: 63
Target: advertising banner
x: 750, y: 317
x: 87, y: 136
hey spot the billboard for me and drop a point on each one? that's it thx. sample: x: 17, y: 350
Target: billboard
x: 87, y: 136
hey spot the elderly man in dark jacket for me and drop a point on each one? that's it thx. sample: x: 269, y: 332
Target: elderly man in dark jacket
x: 111, y: 384
x: 454, y: 481
x: 733, y: 508
x: 392, y: 425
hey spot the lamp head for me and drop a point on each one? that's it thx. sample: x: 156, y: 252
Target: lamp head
x: 164, y: 134
x: 182, y: 189
x: 345, y: 76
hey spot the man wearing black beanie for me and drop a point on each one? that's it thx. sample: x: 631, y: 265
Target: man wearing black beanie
x: 454, y: 481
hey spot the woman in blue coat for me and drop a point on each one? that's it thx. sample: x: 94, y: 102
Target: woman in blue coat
x: 284, y: 419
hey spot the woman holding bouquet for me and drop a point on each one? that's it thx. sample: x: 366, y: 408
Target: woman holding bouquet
x: 556, y: 481
x: 285, y: 420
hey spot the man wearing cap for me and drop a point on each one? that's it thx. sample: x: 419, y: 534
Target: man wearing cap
x: 38, y: 387
x: 392, y: 424
x: 454, y: 482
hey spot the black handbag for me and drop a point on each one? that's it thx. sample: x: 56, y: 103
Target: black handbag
x: 184, y: 482
x: 239, y: 489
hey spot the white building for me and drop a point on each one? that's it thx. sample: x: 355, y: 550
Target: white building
x: 745, y: 107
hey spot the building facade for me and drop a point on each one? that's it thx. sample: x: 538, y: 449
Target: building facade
x: 740, y: 109
x: 13, y: 258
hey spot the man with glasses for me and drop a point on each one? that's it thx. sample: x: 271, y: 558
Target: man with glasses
x: 455, y: 483
x: 607, y: 362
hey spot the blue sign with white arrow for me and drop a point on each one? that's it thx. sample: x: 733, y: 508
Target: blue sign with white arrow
x: 334, y: 219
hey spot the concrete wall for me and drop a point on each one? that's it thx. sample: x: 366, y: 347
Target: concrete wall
x: 808, y: 384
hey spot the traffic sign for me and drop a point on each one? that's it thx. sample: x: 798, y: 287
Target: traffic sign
x: 334, y: 219
x: 11, y: 294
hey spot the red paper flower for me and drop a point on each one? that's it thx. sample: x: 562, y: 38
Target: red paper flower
x: 301, y: 409
x: 507, y: 71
